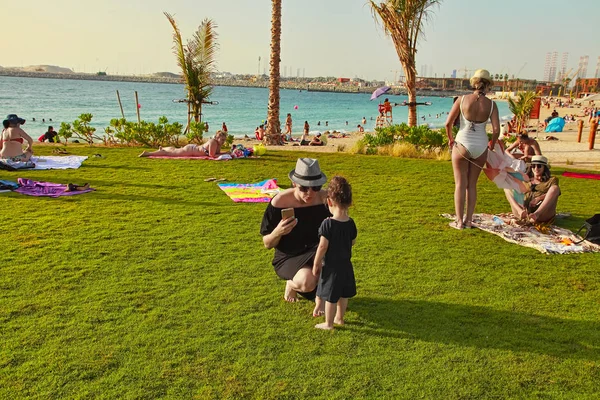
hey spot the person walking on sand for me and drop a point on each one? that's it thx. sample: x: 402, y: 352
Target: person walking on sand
x: 288, y: 126
x: 332, y: 262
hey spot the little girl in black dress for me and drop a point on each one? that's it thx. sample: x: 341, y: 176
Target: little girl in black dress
x: 337, y: 236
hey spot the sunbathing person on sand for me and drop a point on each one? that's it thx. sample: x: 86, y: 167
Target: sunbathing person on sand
x: 212, y: 148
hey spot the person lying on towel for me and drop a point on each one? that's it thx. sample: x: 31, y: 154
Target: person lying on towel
x: 212, y: 148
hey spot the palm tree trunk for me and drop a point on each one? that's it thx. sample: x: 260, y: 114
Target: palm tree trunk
x: 273, y: 124
x: 411, y: 89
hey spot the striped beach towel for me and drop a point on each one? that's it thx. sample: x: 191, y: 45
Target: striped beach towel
x: 259, y: 192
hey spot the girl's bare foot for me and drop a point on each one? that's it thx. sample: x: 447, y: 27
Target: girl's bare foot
x: 338, y: 321
x: 289, y: 294
x: 324, y: 326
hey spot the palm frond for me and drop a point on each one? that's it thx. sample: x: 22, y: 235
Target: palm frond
x: 197, y: 60
x: 177, y: 45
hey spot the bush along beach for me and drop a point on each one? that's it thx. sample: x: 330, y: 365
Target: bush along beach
x: 404, y: 141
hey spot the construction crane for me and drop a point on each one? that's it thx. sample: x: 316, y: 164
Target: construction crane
x: 466, y: 72
x: 566, y: 80
x: 395, y: 71
x: 517, y: 74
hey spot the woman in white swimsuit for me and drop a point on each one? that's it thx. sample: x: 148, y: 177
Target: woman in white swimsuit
x: 211, y: 148
x: 469, y: 150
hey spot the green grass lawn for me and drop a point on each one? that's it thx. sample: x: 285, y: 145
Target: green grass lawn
x: 157, y: 285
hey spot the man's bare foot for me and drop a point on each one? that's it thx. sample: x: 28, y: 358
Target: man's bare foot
x: 290, y: 294
x: 324, y: 326
x: 144, y: 154
x: 338, y: 322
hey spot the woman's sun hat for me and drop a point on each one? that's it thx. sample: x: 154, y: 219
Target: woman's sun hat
x: 307, y: 173
x: 539, y: 160
x: 482, y: 74
x: 14, y: 119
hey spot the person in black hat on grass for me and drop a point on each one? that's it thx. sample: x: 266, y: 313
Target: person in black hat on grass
x: 12, y: 139
x: 541, y: 199
x: 294, y: 234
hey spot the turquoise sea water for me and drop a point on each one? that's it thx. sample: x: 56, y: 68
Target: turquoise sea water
x: 243, y: 109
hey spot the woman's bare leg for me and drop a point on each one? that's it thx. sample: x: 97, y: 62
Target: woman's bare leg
x: 304, y: 281
x: 330, y: 310
x: 517, y: 209
x: 168, y: 152
x: 547, y: 210
x: 341, y: 311
x: 460, y: 168
x: 472, y: 177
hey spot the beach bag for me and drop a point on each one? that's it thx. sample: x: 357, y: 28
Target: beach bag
x: 592, y: 230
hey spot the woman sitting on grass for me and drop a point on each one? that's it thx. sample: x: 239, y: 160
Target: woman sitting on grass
x: 12, y: 139
x: 212, y: 148
x: 541, y: 199
x: 296, y: 238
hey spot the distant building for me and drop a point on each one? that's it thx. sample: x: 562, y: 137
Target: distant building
x: 587, y: 85
x: 583, y: 64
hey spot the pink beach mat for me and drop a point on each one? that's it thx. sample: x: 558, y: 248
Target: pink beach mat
x: 220, y: 158
x: 581, y: 175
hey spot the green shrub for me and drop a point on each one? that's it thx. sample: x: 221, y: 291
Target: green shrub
x: 422, y: 137
x: 80, y: 129
x: 145, y: 133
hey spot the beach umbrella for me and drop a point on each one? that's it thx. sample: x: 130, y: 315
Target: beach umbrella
x: 379, y: 92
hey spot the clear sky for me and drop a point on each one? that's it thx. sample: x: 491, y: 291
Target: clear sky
x: 320, y: 37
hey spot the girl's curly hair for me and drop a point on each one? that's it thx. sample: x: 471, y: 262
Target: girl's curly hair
x: 340, y: 191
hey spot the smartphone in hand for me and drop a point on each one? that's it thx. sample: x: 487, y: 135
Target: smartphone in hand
x: 287, y: 213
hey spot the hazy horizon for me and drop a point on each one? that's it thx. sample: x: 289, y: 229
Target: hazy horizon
x: 332, y: 38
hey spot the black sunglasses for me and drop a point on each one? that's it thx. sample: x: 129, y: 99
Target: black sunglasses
x: 305, y: 189
x: 536, y: 166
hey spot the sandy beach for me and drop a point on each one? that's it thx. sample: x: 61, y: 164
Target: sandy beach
x: 565, y: 151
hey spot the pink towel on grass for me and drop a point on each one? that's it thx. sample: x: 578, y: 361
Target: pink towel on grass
x: 579, y: 175
x: 46, y: 189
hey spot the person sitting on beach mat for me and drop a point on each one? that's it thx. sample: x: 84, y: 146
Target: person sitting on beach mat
x: 539, y: 207
x: 316, y: 141
x: 212, y: 148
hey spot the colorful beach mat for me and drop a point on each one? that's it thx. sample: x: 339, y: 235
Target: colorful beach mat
x: 580, y: 175
x: 555, y: 241
x: 260, y: 192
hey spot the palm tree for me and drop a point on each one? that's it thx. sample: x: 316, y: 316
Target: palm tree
x: 273, y: 133
x: 197, y: 62
x: 521, y: 107
x: 403, y: 21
